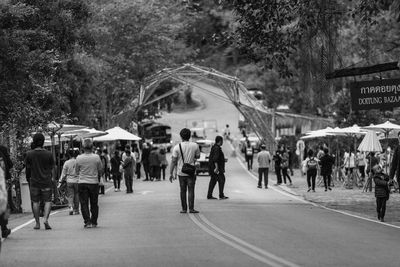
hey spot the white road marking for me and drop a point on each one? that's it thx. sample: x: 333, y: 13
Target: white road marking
x: 237, y: 243
x: 19, y: 227
x: 315, y: 204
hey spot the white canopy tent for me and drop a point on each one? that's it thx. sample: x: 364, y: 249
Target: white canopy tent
x: 117, y: 133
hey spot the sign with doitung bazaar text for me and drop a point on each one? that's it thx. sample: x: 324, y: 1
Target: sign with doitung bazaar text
x: 379, y: 94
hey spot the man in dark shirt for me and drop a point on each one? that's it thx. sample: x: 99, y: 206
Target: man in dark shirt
x: 39, y: 170
x: 216, y: 165
x: 326, y: 162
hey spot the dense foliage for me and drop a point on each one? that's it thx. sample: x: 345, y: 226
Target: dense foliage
x: 83, y: 61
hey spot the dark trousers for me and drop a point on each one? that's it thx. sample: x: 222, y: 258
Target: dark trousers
x: 286, y: 175
x: 187, y: 184
x: 220, y: 178
x: 117, y: 180
x: 278, y: 174
x: 73, y: 196
x: 89, y: 193
x: 362, y: 171
x: 261, y: 172
x: 381, y: 206
x: 327, y: 180
x: 249, y: 160
x: 146, y: 168
x: 128, y: 182
x: 163, y: 167
x: 154, y: 172
x: 138, y: 174
x: 311, y: 175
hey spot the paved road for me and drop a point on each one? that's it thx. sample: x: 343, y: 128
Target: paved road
x: 254, y: 227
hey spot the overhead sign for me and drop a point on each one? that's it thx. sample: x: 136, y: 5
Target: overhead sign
x: 380, y: 94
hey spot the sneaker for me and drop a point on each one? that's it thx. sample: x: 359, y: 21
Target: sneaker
x: 76, y: 213
x: 87, y: 225
x: 326, y: 189
x: 5, y: 233
x: 313, y: 191
x: 266, y: 187
x: 259, y: 186
x: 309, y: 189
x: 71, y: 212
x: 116, y: 190
x: 224, y: 197
x: 211, y: 197
x: 193, y: 211
x: 330, y: 189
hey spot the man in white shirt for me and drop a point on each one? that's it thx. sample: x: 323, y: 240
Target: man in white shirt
x: 264, y: 160
x: 185, y: 152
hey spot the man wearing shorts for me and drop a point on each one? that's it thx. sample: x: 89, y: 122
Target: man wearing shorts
x: 39, y: 170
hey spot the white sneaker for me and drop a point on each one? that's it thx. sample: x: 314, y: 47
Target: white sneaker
x: 115, y: 190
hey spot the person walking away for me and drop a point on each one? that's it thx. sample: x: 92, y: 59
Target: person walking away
x: 382, y: 192
x: 164, y: 161
x: 154, y: 163
x: 227, y: 133
x: 185, y: 153
x: 89, y: 168
x: 129, y: 169
x: 107, y: 168
x: 277, y: 162
x: 326, y: 162
x: 263, y: 160
x: 3, y: 195
x: 395, y: 164
x: 138, y: 159
x: 216, y: 168
x: 285, y: 166
x: 69, y: 176
x: 290, y: 154
x: 311, y: 167
x: 115, y: 172
x: 361, y: 164
x: 39, y: 174
x: 6, y: 164
x: 249, y: 155
x: 349, y: 162
x: 145, y: 160
x: 101, y: 177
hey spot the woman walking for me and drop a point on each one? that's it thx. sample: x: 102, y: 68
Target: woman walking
x: 115, y: 172
x: 164, y: 161
x: 381, y: 191
x: 285, y: 166
x: 311, y: 169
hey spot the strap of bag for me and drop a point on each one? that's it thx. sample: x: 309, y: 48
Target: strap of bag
x: 183, y: 159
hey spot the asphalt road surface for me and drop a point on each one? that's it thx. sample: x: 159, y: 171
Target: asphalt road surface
x: 254, y: 227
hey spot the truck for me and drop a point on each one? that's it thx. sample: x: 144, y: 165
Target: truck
x: 155, y: 133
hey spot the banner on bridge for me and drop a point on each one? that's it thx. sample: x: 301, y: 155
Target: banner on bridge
x: 380, y: 94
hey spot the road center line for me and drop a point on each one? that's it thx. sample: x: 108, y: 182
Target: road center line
x: 244, y: 250
x: 245, y: 244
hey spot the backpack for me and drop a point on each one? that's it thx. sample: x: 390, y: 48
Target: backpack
x: 312, y: 164
x: 249, y: 151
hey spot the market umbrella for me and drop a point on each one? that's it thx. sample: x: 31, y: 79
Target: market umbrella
x: 370, y: 143
x: 385, y: 127
x: 320, y: 131
x: 316, y: 135
x: 117, y: 133
x: 84, y: 133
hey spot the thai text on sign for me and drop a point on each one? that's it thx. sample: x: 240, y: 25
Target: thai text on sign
x: 380, y: 94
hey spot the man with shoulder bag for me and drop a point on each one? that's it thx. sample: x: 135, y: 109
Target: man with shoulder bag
x: 183, y: 159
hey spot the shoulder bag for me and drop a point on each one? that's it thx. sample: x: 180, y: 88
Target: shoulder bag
x: 187, y: 168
